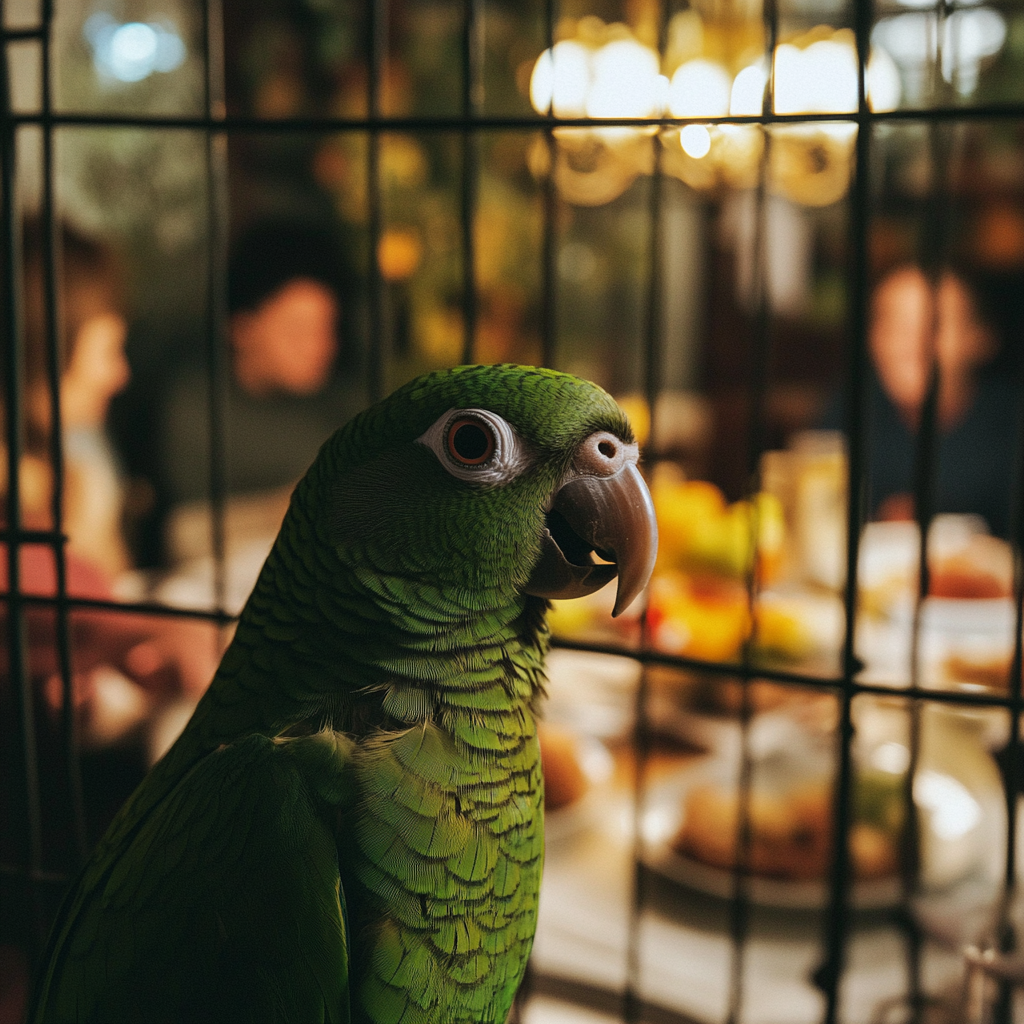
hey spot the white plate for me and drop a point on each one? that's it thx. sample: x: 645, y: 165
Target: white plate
x: 663, y: 817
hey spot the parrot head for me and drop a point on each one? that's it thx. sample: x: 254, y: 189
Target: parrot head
x: 493, y: 481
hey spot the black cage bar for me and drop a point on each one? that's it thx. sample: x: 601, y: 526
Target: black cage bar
x: 30, y: 873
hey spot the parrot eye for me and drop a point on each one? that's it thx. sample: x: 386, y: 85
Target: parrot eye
x: 477, y: 446
x: 470, y: 442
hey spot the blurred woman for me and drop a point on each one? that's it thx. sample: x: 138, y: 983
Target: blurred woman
x: 92, y: 369
x: 945, y: 335
x: 124, y: 667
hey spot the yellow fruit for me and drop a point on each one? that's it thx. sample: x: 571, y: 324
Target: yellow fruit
x: 700, y: 533
x: 567, y: 618
x: 780, y: 633
x: 698, y: 621
x: 681, y: 508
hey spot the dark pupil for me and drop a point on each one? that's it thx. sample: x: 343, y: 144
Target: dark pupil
x: 470, y: 442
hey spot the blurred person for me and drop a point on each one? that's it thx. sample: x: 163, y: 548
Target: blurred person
x: 902, y: 320
x: 92, y: 369
x: 124, y: 667
x: 285, y: 394
x: 953, y: 329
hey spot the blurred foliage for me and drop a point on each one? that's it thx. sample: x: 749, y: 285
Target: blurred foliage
x: 145, y: 187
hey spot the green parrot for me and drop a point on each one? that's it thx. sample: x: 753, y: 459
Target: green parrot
x: 350, y: 828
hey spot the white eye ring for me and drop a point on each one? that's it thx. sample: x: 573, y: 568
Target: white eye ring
x: 501, y: 456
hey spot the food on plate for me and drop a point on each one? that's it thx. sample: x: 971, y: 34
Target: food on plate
x: 698, y: 617
x: 981, y: 569
x: 703, y: 709
x: 710, y: 619
x: 564, y: 778
x: 709, y: 553
x: 790, y: 831
x: 989, y: 671
x: 964, y: 563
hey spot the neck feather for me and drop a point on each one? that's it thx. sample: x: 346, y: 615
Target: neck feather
x: 324, y: 643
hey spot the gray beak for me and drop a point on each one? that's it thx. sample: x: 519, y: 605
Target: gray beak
x: 602, y: 506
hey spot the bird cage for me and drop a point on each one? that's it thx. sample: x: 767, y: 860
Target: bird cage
x: 787, y: 788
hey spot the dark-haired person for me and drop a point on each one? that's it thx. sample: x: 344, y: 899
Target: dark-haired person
x: 162, y: 654
x: 977, y: 403
x: 285, y: 392
x: 92, y: 369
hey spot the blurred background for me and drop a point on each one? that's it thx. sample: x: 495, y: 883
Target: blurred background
x: 787, y: 235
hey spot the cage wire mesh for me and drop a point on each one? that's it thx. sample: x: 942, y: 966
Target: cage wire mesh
x: 892, y: 895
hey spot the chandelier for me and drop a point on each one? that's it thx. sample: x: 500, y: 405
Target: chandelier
x: 599, y: 71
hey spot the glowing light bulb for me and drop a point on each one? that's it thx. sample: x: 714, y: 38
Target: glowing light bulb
x: 170, y: 50
x: 561, y: 79
x: 134, y: 50
x: 819, y: 79
x: 834, y: 66
x: 626, y: 81
x: 954, y: 810
x: 747, y: 97
x: 699, y: 88
x: 969, y: 37
x: 891, y: 757
x: 883, y: 81
x: 695, y: 140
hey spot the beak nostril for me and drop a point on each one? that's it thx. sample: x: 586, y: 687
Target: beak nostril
x: 603, y: 454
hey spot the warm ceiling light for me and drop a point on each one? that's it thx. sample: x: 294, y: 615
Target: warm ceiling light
x: 561, y: 79
x: 695, y: 140
x: 627, y: 81
x: 747, y: 96
x: 700, y: 88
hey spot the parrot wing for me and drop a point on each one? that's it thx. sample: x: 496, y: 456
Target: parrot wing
x: 226, y: 905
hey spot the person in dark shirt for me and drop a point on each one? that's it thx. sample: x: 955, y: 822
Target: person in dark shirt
x: 977, y: 412
x: 285, y: 394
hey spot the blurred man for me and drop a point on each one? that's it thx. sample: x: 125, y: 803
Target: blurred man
x: 285, y: 394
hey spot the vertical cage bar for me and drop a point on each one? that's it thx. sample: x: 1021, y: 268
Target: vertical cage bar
x: 378, y: 342
x: 759, y: 364
x: 1006, y: 937
x: 651, y: 377
x: 472, y: 87
x: 549, y: 297
x: 829, y: 974
x: 548, y: 332
x: 17, y: 649
x: 931, y: 254
x: 215, y: 316
x: 50, y: 255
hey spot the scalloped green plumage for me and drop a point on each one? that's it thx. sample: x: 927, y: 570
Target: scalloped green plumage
x: 359, y: 792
